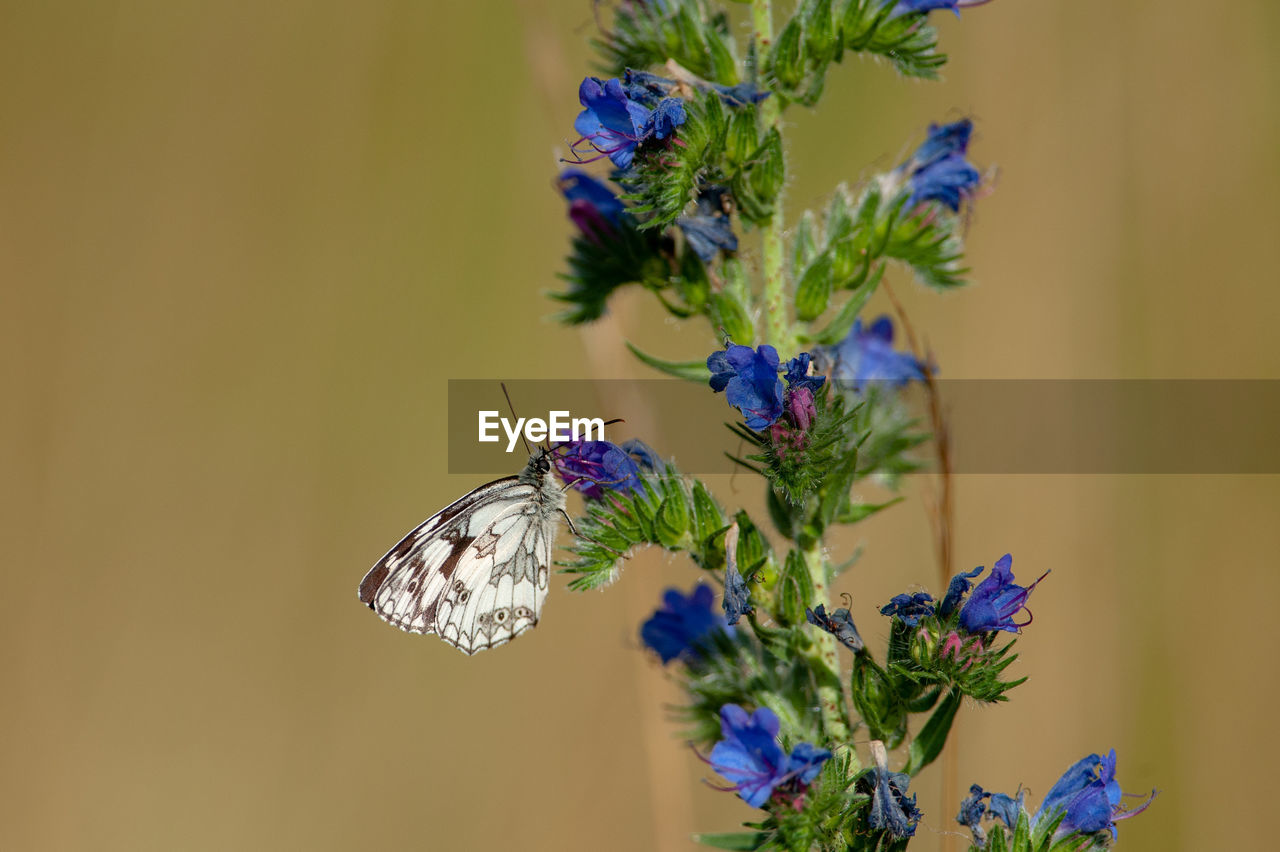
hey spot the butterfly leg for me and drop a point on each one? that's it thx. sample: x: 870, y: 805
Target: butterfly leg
x: 568, y: 520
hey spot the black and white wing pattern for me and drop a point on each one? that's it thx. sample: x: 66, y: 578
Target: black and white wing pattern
x: 476, y: 572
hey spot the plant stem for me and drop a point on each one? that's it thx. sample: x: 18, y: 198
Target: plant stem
x: 831, y: 692
x: 777, y: 326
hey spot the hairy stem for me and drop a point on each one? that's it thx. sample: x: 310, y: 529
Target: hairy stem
x: 830, y: 691
x: 777, y: 325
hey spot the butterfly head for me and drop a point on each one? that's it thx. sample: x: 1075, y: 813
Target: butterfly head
x: 538, y: 470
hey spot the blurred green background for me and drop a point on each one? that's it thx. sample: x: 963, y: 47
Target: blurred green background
x: 244, y: 245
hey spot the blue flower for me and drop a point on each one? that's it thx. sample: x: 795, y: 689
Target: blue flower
x: 614, y: 124
x: 751, y: 378
x: 1000, y: 806
x: 906, y: 7
x: 594, y: 466
x: 1090, y: 795
x: 868, y: 356
x: 972, y: 810
x: 751, y: 758
x: 1005, y: 807
x: 957, y: 589
x: 680, y: 626
x: 910, y: 608
x: 593, y: 206
x: 996, y: 601
x: 839, y: 624
x: 797, y: 373
x: 891, y: 810
x: 938, y: 171
x: 806, y: 762
x: 708, y: 230
x: 666, y: 117
x: 644, y: 455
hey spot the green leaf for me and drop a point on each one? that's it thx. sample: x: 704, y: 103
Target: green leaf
x: 693, y: 371
x: 671, y: 522
x: 838, y: 222
x: 743, y: 841
x: 795, y: 589
x: 741, y: 139
x: 804, y: 245
x: 861, y: 511
x: 877, y: 702
x: 752, y: 550
x: 768, y: 171
x: 708, y: 519
x: 814, y: 290
x: 821, y: 41
x: 869, y: 26
x: 786, y: 62
x: 929, y: 742
x: 840, y: 324
x: 724, y: 68
x: 782, y: 514
x: 729, y: 315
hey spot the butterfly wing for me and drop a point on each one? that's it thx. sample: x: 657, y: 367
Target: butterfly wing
x: 474, y: 573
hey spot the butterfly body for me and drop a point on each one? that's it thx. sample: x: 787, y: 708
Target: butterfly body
x: 476, y: 572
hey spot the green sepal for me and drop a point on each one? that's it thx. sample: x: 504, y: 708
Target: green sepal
x: 756, y: 186
x: 692, y: 285
x: 720, y: 59
x: 905, y: 40
x: 786, y: 62
x: 708, y: 519
x: 783, y: 515
x: 804, y: 244
x: 795, y: 590
x: 729, y: 316
x: 877, y: 702
x: 822, y: 43
x: 814, y: 290
x: 671, y: 522
x: 665, y: 511
x: 599, y: 267
x: 752, y: 551
x: 838, y: 328
x: 664, y: 177
x: 643, y: 35
x: 742, y: 138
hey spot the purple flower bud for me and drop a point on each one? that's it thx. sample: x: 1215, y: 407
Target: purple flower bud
x: 593, y: 207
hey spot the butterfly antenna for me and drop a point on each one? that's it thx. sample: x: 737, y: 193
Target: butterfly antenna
x: 516, y: 416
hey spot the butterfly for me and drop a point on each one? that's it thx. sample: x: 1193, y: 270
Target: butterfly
x: 475, y: 573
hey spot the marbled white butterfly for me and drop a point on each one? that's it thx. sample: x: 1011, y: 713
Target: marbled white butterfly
x: 475, y: 573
